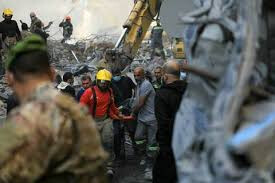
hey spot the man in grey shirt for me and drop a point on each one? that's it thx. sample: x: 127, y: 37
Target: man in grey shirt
x: 144, y: 110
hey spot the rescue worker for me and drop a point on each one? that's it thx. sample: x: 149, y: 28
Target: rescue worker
x: 67, y: 28
x: 36, y: 21
x: 100, y: 100
x: 146, y: 120
x: 167, y: 102
x: 10, y: 34
x: 9, y: 30
x: 25, y: 31
x: 50, y: 137
x: 125, y: 87
x: 158, y: 75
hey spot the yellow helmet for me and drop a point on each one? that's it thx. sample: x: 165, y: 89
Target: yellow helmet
x: 7, y: 12
x: 104, y: 75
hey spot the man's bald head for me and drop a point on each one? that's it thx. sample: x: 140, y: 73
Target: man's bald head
x: 139, y: 70
x: 172, y: 68
x: 139, y: 74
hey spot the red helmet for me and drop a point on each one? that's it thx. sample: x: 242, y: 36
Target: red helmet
x: 68, y: 18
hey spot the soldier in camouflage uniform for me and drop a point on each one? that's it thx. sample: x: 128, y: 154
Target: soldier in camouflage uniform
x: 35, y: 21
x: 49, y: 138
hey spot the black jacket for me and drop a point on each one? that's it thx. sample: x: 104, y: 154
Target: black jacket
x: 167, y: 102
x: 10, y: 28
x: 69, y: 90
x: 125, y: 86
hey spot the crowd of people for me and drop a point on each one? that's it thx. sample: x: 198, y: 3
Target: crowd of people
x: 10, y: 33
x: 78, y: 127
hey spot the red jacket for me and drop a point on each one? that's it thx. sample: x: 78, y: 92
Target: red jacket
x: 104, y: 101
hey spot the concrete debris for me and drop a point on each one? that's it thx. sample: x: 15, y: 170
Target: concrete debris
x: 211, y: 142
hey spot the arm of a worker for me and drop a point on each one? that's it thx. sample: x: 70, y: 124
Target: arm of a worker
x: 48, y: 26
x: 61, y: 24
x: 140, y: 104
x: 19, y: 37
x: 114, y: 112
x: 144, y: 92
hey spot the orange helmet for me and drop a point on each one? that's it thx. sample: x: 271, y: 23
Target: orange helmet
x: 68, y: 18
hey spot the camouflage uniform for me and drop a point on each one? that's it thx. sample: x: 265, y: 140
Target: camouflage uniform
x: 34, y: 23
x: 50, y: 138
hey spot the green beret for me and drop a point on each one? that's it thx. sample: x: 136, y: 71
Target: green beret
x: 29, y: 44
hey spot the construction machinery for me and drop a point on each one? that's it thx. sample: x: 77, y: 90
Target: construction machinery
x: 178, y: 48
x: 135, y: 28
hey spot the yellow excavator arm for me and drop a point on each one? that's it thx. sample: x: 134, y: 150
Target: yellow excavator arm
x: 136, y: 26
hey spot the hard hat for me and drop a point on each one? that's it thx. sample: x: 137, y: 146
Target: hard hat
x: 104, y: 75
x: 7, y: 12
x: 32, y: 14
x: 68, y: 18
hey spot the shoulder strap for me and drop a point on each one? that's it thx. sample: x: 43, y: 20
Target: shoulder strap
x: 110, y: 101
x: 95, y: 100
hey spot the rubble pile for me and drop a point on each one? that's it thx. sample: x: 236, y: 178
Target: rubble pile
x: 78, y: 57
x: 62, y: 54
x: 5, y: 91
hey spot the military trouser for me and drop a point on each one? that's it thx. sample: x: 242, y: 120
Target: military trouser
x: 148, y: 128
x: 105, y: 128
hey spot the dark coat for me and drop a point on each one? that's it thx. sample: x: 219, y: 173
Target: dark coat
x: 167, y: 102
x: 10, y: 28
x: 69, y: 90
